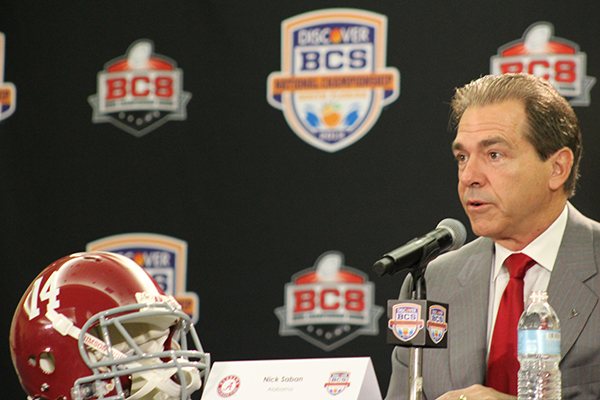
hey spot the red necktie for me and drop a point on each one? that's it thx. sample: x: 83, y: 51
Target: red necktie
x: 503, y: 364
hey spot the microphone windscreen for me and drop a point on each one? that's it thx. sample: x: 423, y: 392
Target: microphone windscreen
x: 457, y: 231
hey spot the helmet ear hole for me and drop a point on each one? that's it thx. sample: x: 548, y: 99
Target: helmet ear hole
x: 47, y: 363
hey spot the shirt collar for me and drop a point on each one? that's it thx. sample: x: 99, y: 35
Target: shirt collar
x: 543, y: 249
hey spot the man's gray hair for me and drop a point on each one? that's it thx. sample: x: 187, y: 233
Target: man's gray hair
x: 552, y: 123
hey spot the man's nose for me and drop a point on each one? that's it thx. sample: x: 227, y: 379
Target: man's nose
x: 470, y: 174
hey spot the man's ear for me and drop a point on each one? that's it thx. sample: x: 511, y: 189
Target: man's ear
x: 561, y: 163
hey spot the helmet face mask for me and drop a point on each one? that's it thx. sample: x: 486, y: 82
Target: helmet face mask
x: 135, y: 342
x: 96, y: 326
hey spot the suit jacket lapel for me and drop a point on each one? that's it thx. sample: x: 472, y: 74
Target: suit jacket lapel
x: 567, y: 293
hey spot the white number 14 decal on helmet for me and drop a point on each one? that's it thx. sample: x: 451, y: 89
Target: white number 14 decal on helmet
x: 49, y: 293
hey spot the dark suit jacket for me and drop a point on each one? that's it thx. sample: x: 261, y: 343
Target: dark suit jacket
x: 461, y: 279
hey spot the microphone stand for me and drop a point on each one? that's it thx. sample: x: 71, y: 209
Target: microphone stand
x: 415, y: 378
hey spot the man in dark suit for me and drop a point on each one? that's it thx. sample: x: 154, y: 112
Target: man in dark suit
x: 518, y: 147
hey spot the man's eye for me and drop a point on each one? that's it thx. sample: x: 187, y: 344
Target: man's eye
x: 461, y: 158
x: 494, y: 155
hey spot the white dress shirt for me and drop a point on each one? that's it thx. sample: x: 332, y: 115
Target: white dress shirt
x: 543, y: 250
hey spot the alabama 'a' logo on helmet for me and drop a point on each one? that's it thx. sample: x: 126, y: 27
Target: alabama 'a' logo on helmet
x: 557, y: 60
x: 330, y: 304
x: 140, y: 91
x: 334, y: 80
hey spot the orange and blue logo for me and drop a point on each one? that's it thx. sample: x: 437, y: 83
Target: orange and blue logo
x: 140, y: 91
x: 406, y: 322
x: 334, y: 80
x: 163, y: 257
x: 338, y: 382
x: 8, y: 91
x: 557, y: 60
x: 436, y: 324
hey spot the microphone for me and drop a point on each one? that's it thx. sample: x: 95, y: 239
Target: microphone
x: 450, y: 234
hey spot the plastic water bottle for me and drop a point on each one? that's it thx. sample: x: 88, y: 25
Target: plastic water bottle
x: 539, y: 351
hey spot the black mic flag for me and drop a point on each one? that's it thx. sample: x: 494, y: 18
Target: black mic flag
x: 450, y: 234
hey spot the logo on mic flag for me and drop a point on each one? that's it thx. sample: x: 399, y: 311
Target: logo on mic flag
x: 406, y: 322
x: 436, y: 324
x: 329, y: 305
x: 333, y: 81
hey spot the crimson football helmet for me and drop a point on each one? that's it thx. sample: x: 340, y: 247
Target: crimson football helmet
x: 96, y: 326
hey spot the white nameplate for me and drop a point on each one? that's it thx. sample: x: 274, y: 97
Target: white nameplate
x: 314, y: 379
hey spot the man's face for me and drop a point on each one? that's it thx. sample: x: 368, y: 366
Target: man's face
x: 502, y: 182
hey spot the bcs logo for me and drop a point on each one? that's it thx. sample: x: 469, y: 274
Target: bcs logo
x: 407, y: 321
x: 140, y: 91
x: 329, y: 305
x: 333, y: 81
x: 557, y: 60
x: 8, y: 91
x: 338, y: 382
x: 436, y: 325
x: 163, y: 257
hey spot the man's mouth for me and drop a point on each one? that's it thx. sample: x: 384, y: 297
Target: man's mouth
x: 475, y: 203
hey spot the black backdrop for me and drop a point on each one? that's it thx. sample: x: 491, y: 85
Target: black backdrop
x: 255, y: 203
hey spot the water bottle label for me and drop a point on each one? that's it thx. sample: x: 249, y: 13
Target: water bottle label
x: 539, y: 342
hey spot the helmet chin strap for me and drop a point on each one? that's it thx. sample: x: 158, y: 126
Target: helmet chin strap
x: 147, y: 381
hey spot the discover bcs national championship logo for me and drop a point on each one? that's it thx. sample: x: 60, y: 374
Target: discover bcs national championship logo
x: 140, y: 91
x: 557, y: 60
x: 333, y: 81
x: 330, y: 304
x: 163, y: 257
